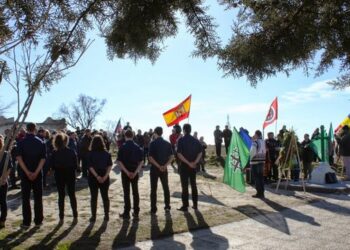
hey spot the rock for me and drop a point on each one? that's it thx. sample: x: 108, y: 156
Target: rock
x: 319, y: 173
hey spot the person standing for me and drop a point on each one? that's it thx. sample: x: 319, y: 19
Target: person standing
x: 218, y: 141
x: 130, y: 161
x: 139, y: 138
x: 146, y: 142
x: 84, y: 151
x: 345, y: 150
x: 272, y: 147
x: 3, y: 182
x: 31, y: 159
x: 257, y: 161
x: 204, y: 148
x: 100, y: 165
x: 160, y: 156
x: 64, y: 163
x: 227, y: 134
x: 189, y: 152
x: 307, y: 156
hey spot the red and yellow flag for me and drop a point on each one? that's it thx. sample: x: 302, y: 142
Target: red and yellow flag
x: 346, y: 121
x: 178, y: 113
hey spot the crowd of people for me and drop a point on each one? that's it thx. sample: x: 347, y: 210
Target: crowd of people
x: 265, y: 154
x: 67, y: 154
x: 86, y: 154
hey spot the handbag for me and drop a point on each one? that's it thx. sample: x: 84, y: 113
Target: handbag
x: 331, y: 178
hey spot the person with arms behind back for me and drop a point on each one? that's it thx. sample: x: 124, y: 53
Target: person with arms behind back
x: 189, y: 152
x: 31, y: 159
x: 99, y: 165
x: 160, y: 156
x: 130, y: 161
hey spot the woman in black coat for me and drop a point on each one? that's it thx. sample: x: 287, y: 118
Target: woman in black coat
x: 100, y: 165
x: 64, y: 162
x: 3, y: 182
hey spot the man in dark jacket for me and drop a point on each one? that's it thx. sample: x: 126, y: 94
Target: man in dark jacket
x: 189, y: 152
x: 345, y: 150
x: 218, y: 141
x: 272, y: 147
x: 307, y: 156
x: 31, y: 159
x: 160, y: 156
x: 130, y: 161
x: 227, y: 134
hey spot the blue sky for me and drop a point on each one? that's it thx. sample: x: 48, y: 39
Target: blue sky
x: 141, y: 92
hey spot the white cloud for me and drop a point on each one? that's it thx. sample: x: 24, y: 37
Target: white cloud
x: 317, y: 90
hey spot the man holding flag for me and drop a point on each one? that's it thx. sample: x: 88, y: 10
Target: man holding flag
x: 236, y: 160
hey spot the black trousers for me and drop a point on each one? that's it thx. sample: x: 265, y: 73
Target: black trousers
x: 274, y: 171
x: 94, y: 186
x: 227, y: 145
x: 218, y: 149
x: 163, y: 176
x: 13, y: 173
x: 66, y: 179
x: 37, y: 187
x: 126, y: 182
x: 307, y: 167
x: 258, y: 175
x: 84, y: 165
x: 3, y: 202
x: 188, y: 174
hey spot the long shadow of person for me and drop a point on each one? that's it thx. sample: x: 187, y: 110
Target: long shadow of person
x: 167, y: 243
x: 291, y: 213
x: 11, y: 241
x: 54, y: 241
x: 82, y: 242
x: 125, y: 238
x: 204, y: 239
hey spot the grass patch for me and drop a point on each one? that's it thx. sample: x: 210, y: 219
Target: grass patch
x: 63, y: 246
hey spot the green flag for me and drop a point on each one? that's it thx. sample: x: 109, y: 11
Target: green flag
x: 320, y: 146
x: 237, y: 158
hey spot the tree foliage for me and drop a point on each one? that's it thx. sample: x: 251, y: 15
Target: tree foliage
x: 83, y: 113
x: 271, y: 36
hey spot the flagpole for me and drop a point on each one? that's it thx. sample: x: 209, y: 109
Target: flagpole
x: 276, y: 127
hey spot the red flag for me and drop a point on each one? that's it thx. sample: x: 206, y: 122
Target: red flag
x: 272, y: 115
x: 118, y: 128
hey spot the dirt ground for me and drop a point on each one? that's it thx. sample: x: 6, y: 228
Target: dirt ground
x: 218, y: 204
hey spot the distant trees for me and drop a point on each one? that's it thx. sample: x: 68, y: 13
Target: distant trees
x: 83, y: 113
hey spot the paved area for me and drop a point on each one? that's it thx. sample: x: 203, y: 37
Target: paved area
x: 287, y: 219
x: 318, y: 225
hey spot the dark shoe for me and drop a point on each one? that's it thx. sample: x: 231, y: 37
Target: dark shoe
x: 124, y: 216
x: 92, y: 219
x: 37, y: 225
x: 25, y: 227
x: 258, y: 196
x: 183, y: 209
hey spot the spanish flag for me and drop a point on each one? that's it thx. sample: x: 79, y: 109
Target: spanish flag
x: 346, y: 121
x: 178, y: 113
